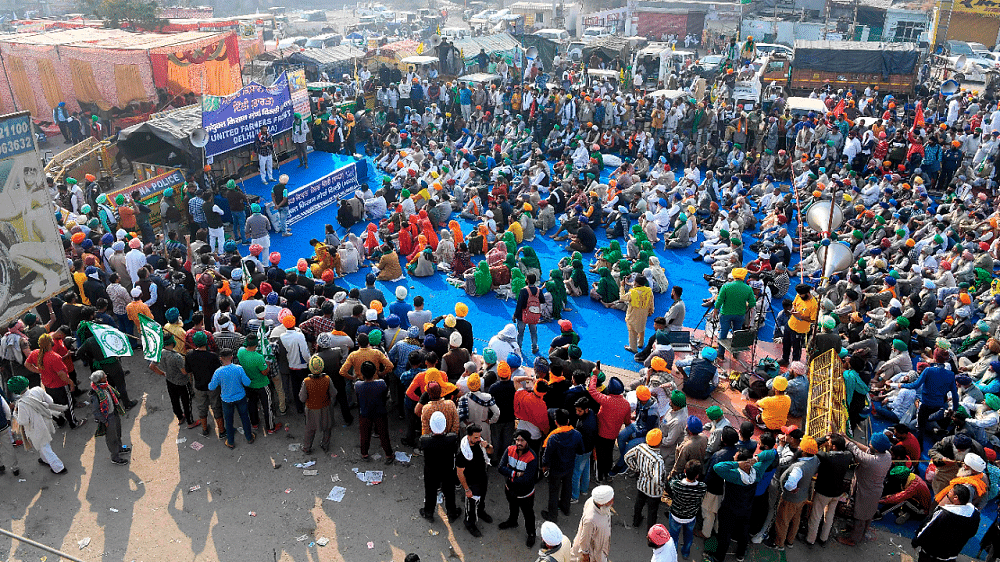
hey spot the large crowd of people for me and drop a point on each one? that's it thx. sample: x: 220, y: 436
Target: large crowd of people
x: 902, y: 291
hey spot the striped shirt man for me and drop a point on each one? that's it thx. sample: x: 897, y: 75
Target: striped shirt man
x: 687, y: 496
x: 227, y: 339
x: 649, y: 464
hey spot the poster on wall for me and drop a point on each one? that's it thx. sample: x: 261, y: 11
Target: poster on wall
x: 32, y: 264
x: 235, y: 121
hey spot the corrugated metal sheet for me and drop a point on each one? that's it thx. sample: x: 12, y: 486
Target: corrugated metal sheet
x: 329, y: 55
x: 500, y: 42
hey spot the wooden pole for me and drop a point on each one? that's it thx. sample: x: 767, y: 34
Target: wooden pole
x: 39, y: 545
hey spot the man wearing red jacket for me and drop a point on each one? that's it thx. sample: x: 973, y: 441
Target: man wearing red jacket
x: 532, y: 414
x: 614, y: 413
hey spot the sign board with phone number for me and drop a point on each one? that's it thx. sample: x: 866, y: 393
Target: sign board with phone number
x: 16, y: 137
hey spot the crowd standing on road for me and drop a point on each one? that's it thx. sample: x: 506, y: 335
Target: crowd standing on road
x: 912, y: 315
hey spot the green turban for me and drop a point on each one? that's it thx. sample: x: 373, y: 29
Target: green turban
x: 900, y: 472
x: 17, y: 385
x: 993, y: 401
x: 899, y: 345
x: 714, y: 413
x: 119, y: 199
x: 677, y: 398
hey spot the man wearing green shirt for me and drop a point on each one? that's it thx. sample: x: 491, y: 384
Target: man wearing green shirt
x: 731, y: 306
x: 259, y: 393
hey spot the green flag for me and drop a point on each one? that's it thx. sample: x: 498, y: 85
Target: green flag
x: 246, y: 272
x: 113, y: 342
x: 152, y: 338
x: 265, y: 345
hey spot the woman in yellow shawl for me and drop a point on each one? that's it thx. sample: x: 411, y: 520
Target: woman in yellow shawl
x: 517, y: 231
x: 322, y: 261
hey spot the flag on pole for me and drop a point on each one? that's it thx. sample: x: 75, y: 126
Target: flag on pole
x: 152, y: 338
x: 265, y: 345
x: 839, y: 108
x: 918, y: 119
x: 247, y: 277
x: 113, y: 342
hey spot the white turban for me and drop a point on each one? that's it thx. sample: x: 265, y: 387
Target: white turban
x: 551, y: 535
x: 601, y: 494
x: 438, y: 423
x: 975, y: 462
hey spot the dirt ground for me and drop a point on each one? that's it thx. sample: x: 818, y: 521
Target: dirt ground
x: 252, y: 503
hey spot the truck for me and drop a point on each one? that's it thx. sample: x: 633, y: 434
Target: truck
x: 891, y: 67
x: 657, y: 61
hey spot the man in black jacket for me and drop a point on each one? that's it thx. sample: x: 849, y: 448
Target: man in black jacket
x: 519, y: 468
x: 951, y: 525
x: 558, y: 459
x: 439, y: 468
x: 833, y: 466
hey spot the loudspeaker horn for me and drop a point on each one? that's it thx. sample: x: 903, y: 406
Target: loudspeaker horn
x: 818, y: 216
x: 435, y: 40
x: 836, y: 257
x: 949, y: 87
x: 199, y: 137
x: 960, y: 62
x: 531, y: 53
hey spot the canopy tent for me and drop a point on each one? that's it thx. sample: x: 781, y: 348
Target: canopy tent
x: 608, y: 49
x: 106, y: 68
x: 164, y: 139
x: 334, y: 61
x: 502, y: 44
x: 547, y: 48
x: 392, y: 53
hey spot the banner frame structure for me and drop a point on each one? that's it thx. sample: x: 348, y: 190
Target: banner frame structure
x: 33, y: 265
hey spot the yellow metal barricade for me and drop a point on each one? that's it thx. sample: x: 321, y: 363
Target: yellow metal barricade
x: 826, y: 411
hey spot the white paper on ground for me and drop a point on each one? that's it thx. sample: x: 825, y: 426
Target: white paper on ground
x: 337, y: 493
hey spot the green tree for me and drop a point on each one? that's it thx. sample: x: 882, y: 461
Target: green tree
x: 124, y: 13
